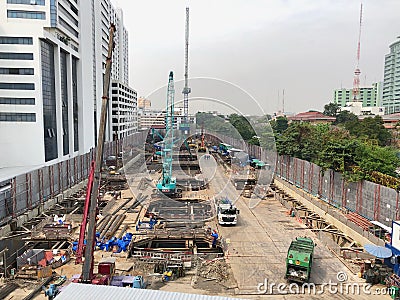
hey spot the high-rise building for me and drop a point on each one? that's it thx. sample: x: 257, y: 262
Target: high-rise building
x: 52, y: 61
x: 369, y: 96
x: 391, y: 80
x: 100, y: 13
x: 124, y: 110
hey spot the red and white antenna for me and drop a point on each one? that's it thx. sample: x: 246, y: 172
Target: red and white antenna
x: 357, y: 72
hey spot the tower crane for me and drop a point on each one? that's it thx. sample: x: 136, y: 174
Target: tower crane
x: 167, y: 183
x: 186, y: 90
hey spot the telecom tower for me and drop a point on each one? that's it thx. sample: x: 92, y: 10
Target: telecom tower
x: 357, y: 72
x: 186, y: 90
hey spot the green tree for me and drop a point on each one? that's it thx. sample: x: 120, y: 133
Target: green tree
x: 375, y: 158
x: 280, y: 124
x: 345, y: 116
x: 331, y: 109
x: 370, y: 129
x: 243, y: 126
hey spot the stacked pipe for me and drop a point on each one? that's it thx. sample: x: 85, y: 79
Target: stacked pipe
x: 108, y: 225
x: 8, y: 289
x: 115, y: 225
x: 103, y: 223
x: 121, y: 233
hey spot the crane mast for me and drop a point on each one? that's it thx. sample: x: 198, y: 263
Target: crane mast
x: 167, y: 183
x: 169, y: 136
x: 87, y: 269
x: 186, y: 90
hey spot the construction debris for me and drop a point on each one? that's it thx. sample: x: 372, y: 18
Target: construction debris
x: 216, y: 269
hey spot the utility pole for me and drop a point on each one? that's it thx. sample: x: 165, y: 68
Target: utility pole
x: 87, y: 269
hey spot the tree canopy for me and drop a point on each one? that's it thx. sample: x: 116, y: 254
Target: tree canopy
x: 331, y: 109
x: 356, y: 150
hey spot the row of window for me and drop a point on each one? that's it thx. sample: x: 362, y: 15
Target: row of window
x: 30, y: 2
x: 16, y: 56
x: 68, y: 15
x: 73, y: 8
x: 17, y: 117
x: 22, y: 14
x: 17, y: 101
x: 10, y: 40
x: 68, y: 27
x: 17, y: 86
x: 16, y: 71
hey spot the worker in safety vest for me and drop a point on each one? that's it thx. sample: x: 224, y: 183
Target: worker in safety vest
x: 167, y: 275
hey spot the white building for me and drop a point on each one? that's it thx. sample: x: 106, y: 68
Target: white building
x: 95, y: 42
x: 155, y: 118
x: 358, y: 109
x: 180, y: 118
x: 149, y: 118
x: 52, y: 60
x: 124, y: 110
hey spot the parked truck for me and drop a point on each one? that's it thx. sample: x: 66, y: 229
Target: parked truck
x: 227, y: 212
x: 299, y: 259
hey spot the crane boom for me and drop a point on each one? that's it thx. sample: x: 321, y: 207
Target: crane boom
x: 87, y: 269
x: 167, y: 184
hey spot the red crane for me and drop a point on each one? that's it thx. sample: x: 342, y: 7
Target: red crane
x: 92, y: 193
x: 79, y: 251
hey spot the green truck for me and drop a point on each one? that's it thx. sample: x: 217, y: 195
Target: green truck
x: 299, y: 259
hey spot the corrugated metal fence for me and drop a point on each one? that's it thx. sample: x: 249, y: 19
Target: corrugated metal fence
x: 30, y: 190
x: 368, y: 199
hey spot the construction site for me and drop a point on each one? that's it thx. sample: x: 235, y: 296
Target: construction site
x: 160, y: 213
x: 176, y: 212
x: 180, y: 212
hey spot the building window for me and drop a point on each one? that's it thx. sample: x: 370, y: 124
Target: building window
x: 29, y: 2
x: 68, y: 27
x: 17, y: 117
x: 10, y: 40
x: 74, y: 9
x: 64, y: 101
x: 75, y: 102
x: 17, y: 86
x: 17, y: 101
x: 16, y: 71
x: 53, y: 13
x: 68, y: 15
x: 49, y: 101
x: 16, y: 56
x: 22, y: 14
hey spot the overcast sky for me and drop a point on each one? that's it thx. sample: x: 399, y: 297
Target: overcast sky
x: 306, y: 47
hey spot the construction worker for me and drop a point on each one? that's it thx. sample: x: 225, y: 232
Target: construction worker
x: 215, y: 238
x: 167, y: 275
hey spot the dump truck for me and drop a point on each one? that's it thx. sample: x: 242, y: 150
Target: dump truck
x: 299, y: 260
x: 227, y: 213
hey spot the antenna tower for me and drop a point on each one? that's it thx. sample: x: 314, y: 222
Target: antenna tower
x: 357, y: 72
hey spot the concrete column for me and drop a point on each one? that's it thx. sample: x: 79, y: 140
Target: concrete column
x: 57, y: 79
x: 70, y: 105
